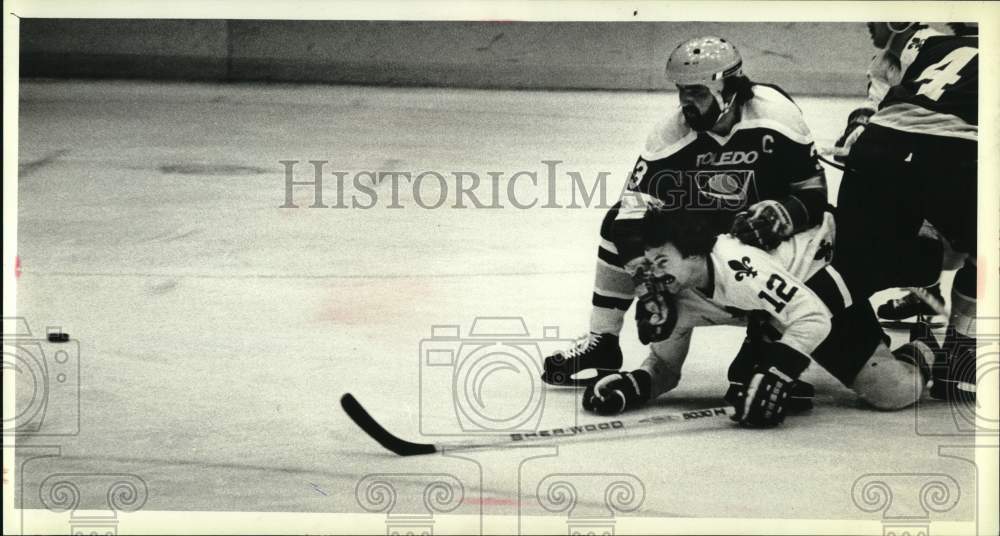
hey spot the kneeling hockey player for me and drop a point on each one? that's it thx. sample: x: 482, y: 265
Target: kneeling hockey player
x: 796, y: 306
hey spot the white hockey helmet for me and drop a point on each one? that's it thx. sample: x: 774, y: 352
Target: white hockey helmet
x: 704, y: 61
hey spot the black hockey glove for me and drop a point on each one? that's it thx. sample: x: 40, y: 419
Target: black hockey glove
x: 655, y: 314
x: 765, y: 225
x: 856, y: 122
x: 618, y: 393
x: 763, y: 400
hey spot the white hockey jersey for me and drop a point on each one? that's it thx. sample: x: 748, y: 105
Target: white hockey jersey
x: 748, y: 279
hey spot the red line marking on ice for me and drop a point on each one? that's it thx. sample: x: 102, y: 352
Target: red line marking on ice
x: 17, y: 267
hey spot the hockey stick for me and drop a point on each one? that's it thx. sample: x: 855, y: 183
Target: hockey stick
x: 402, y: 447
x: 830, y: 163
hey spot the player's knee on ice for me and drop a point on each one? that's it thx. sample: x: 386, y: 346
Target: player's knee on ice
x: 888, y: 383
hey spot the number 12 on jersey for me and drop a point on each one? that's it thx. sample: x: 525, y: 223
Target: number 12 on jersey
x: 781, y: 289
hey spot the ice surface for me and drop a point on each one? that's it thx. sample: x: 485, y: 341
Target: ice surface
x: 218, y: 330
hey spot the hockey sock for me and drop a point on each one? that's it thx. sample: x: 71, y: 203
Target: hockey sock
x: 963, y: 300
x: 613, y: 292
x: 955, y: 374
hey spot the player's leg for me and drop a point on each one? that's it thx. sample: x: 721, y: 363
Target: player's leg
x: 613, y: 286
x: 855, y: 352
x: 955, y: 366
x: 910, y: 304
x: 950, y: 188
x: 612, y: 297
x: 879, y: 214
x: 893, y: 380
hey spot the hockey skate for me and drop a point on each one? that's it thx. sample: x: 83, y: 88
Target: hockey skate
x: 597, y: 351
x: 895, y: 312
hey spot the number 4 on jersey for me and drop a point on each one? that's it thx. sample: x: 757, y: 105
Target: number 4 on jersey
x: 944, y: 72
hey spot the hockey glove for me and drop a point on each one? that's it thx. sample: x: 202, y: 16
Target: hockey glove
x: 618, y: 393
x: 856, y: 122
x: 765, y: 225
x: 655, y: 314
x: 764, y: 400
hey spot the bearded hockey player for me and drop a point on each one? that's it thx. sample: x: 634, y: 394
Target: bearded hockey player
x: 731, y: 147
x: 915, y: 160
x: 796, y: 306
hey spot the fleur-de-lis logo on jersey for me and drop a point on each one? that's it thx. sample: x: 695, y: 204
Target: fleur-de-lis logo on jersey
x: 742, y: 268
x: 825, y: 251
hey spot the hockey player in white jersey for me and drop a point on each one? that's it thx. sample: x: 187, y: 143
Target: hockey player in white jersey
x: 794, y: 301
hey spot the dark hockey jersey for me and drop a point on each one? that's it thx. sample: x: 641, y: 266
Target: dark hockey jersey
x: 938, y: 94
x: 768, y: 154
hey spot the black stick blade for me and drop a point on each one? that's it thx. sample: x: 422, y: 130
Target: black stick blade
x: 365, y: 421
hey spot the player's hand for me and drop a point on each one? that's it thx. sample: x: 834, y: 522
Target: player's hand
x: 655, y: 314
x: 655, y: 317
x: 763, y: 400
x: 618, y: 392
x: 856, y: 122
x: 765, y: 225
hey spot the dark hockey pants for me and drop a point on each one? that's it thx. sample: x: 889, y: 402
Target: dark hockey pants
x: 894, y: 181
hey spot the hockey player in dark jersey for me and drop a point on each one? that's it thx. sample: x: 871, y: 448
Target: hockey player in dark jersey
x: 915, y: 160
x: 883, y: 73
x: 738, y: 150
x: 911, y: 304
